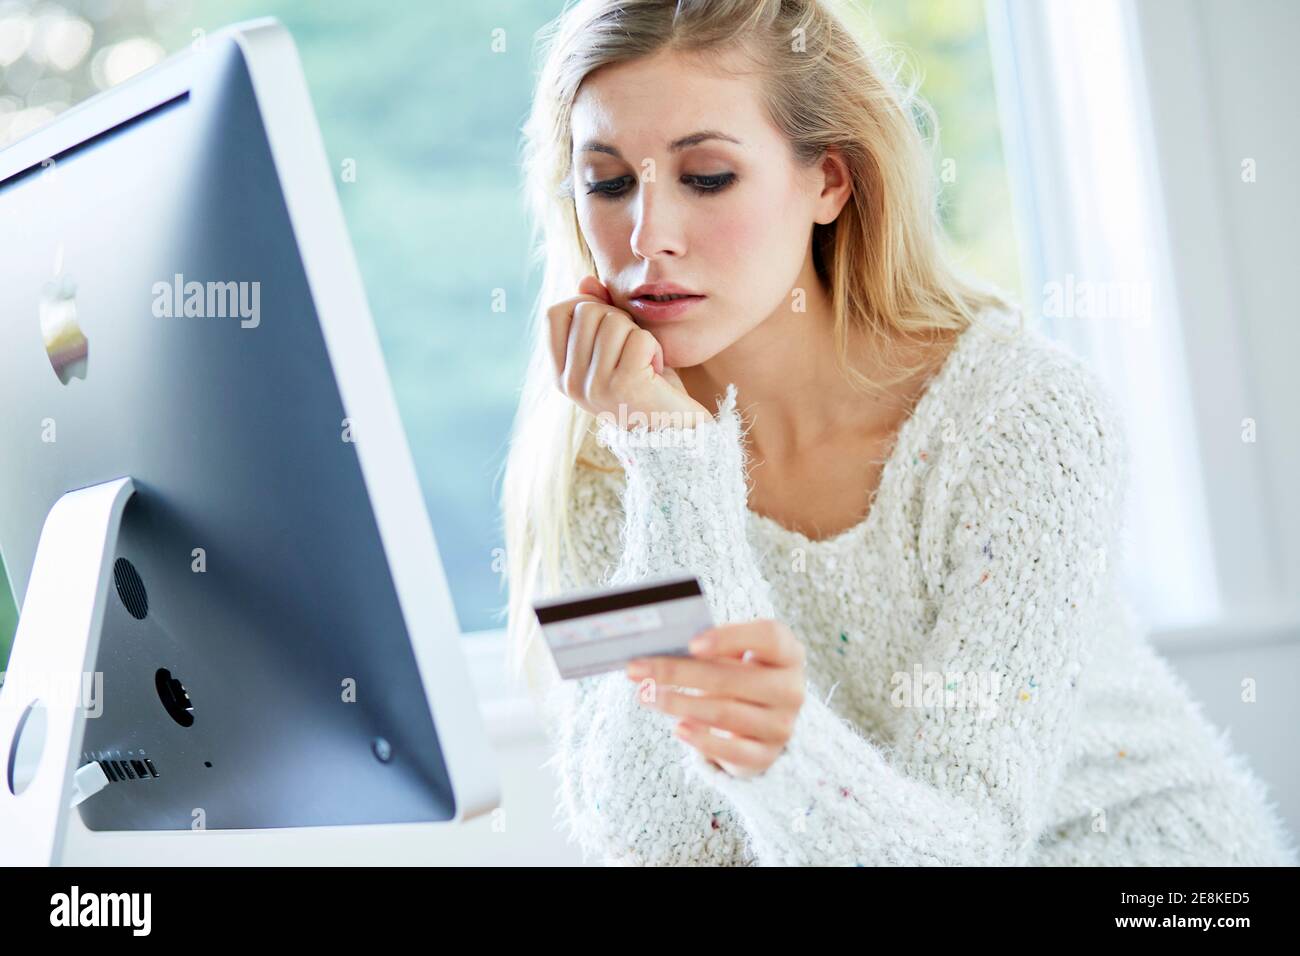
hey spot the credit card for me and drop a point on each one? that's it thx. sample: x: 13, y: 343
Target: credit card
x: 598, y: 630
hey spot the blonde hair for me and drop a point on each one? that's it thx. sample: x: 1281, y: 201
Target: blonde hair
x: 882, y: 260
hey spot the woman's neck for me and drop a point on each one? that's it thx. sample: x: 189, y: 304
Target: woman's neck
x: 786, y: 368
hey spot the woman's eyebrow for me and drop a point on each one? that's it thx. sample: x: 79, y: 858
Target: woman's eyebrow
x: 676, y: 146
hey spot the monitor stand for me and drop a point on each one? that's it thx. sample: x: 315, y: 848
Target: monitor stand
x: 42, y: 706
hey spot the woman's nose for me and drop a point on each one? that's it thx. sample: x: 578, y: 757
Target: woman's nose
x: 658, y: 224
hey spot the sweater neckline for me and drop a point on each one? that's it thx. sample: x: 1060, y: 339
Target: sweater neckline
x: 889, y: 477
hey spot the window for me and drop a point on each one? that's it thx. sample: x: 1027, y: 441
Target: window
x: 1086, y: 182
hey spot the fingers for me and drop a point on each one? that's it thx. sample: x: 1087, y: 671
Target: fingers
x: 764, y: 686
x: 741, y: 692
x: 639, y: 350
x: 562, y: 319
x: 585, y: 348
x: 608, y: 349
x: 590, y: 285
x: 763, y: 641
x: 558, y: 318
x: 587, y: 318
x: 734, y: 716
x: 752, y: 755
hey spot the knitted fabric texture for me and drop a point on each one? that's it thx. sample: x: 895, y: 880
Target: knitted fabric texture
x: 978, y: 691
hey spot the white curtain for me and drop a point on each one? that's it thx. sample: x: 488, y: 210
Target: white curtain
x: 1084, y: 179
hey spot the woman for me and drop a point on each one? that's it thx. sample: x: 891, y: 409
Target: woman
x: 908, y: 541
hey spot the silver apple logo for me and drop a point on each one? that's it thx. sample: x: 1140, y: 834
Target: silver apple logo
x: 65, y: 343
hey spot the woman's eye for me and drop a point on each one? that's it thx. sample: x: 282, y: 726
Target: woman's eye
x: 616, y: 187
x: 609, y: 187
x: 710, y: 184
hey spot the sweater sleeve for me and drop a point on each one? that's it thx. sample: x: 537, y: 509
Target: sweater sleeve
x: 685, y: 505
x: 625, y: 794
x: 1028, y: 529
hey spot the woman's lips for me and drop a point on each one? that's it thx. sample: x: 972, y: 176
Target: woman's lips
x: 653, y: 311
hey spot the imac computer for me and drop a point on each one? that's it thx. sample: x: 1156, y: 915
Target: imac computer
x: 233, y: 611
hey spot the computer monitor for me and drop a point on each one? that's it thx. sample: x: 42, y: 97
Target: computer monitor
x: 180, y: 305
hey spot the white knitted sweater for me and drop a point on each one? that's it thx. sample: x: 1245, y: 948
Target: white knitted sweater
x: 978, y: 692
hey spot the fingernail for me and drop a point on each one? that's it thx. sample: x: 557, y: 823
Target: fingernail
x: 699, y: 645
x: 637, y: 670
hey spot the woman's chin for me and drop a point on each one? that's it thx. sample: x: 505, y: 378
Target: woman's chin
x: 680, y: 348
x: 679, y: 358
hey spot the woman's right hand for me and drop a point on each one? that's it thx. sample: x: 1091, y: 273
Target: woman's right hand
x: 609, y: 365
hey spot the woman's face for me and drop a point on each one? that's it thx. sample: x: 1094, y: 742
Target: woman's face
x: 679, y: 177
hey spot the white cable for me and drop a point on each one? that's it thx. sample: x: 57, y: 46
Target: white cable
x: 87, y: 782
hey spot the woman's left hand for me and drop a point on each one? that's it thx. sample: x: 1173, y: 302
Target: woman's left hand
x: 750, y: 679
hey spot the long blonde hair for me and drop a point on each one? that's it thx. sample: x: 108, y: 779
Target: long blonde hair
x: 883, y: 259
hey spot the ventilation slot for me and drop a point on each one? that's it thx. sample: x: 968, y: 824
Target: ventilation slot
x: 130, y: 589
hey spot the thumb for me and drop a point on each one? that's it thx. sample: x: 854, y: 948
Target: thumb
x: 590, y: 285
